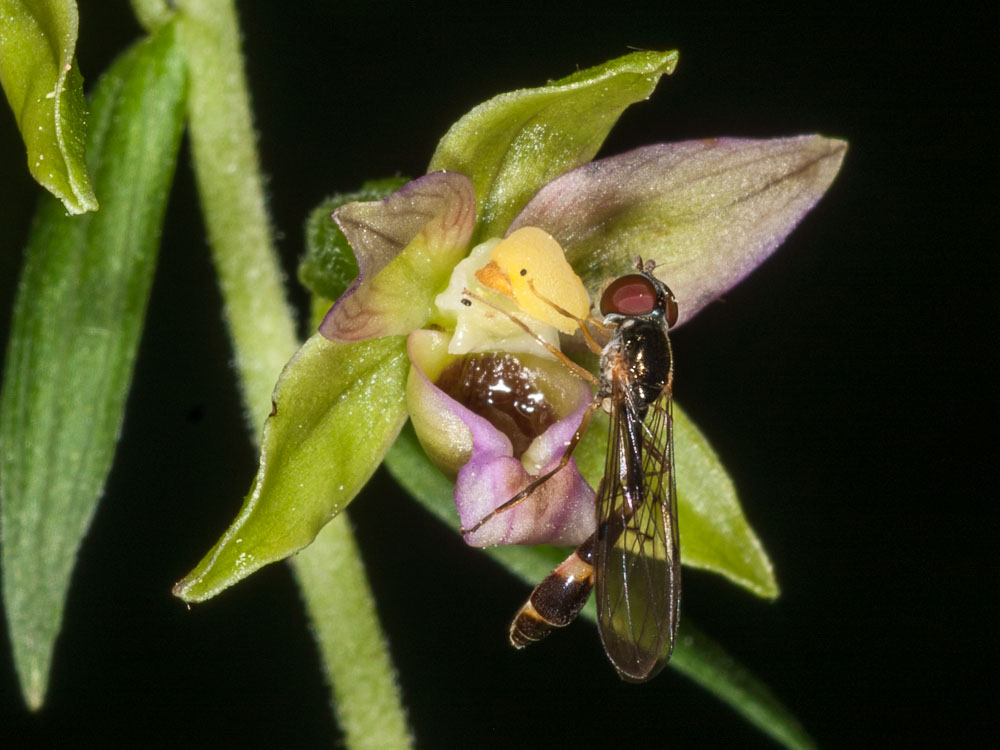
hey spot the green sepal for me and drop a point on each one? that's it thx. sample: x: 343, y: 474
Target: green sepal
x: 329, y: 266
x: 44, y: 88
x: 336, y: 410
x: 715, y: 535
x: 513, y: 144
x: 76, y: 327
x: 695, y: 655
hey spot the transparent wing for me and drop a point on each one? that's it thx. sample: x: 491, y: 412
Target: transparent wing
x: 637, y: 551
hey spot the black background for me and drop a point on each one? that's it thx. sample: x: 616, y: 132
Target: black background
x: 838, y: 383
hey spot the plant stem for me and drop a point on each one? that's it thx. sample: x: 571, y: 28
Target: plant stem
x: 232, y: 199
x: 330, y: 572
x: 347, y: 630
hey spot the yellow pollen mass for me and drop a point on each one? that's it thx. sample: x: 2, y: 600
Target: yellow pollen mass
x: 531, y: 267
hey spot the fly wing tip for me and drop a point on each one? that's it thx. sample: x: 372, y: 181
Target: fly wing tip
x: 644, y: 673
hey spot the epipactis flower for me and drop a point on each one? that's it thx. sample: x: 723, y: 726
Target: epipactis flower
x: 464, y: 271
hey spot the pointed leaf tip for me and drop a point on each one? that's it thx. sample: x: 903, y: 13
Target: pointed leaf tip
x: 337, y: 409
x: 513, y: 144
x: 43, y: 85
x: 75, y: 332
x: 708, y: 211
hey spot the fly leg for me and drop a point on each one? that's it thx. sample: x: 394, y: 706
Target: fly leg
x: 553, y: 350
x: 581, y: 322
x: 542, y: 479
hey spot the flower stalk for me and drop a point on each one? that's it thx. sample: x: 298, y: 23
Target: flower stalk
x: 332, y: 579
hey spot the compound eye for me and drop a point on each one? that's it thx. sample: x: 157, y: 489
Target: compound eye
x: 629, y: 295
x: 671, y: 312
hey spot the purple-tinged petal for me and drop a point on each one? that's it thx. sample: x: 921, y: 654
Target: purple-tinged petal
x: 456, y: 438
x: 560, y: 511
x: 406, y: 246
x: 708, y: 212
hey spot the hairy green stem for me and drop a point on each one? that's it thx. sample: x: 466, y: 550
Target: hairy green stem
x: 347, y: 630
x: 334, y: 586
x: 232, y: 198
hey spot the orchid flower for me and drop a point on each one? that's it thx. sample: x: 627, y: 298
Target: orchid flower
x: 490, y: 406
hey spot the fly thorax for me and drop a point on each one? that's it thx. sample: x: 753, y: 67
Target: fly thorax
x: 645, y: 357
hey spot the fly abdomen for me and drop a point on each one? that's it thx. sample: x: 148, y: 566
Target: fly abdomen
x: 557, y: 600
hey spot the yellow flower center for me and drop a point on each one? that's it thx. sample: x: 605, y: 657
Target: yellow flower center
x: 523, y: 277
x: 530, y: 267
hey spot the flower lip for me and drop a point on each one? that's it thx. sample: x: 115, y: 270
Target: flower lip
x: 492, y: 465
x: 560, y: 511
x: 499, y: 389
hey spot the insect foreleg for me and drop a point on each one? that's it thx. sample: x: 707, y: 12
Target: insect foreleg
x: 581, y: 322
x: 581, y: 372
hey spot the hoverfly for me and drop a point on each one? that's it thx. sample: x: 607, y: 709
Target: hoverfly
x: 633, y: 558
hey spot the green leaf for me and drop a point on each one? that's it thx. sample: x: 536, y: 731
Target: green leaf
x: 703, y: 660
x: 337, y: 409
x: 513, y: 144
x: 44, y: 88
x: 695, y: 655
x: 76, y: 327
x: 329, y: 265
